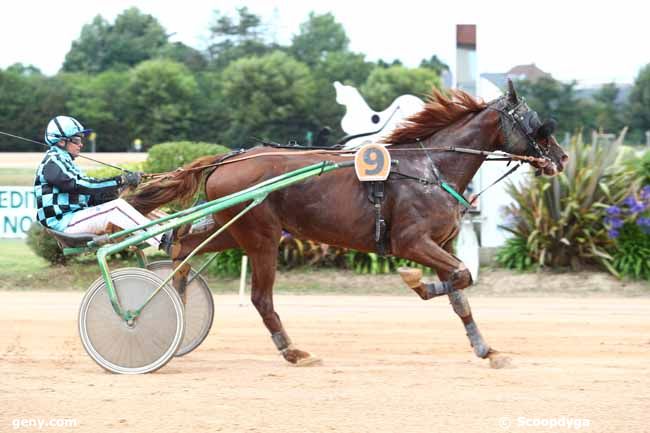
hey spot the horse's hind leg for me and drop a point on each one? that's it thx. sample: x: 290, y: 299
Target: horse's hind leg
x: 263, y: 263
x: 261, y: 246
x: 454, y: 277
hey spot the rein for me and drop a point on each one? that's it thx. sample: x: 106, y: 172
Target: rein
x: 168, y: 174
x: 498, y: 156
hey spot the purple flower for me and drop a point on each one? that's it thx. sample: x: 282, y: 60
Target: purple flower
x: 616, y: 223
x: 643, y: 221
x: 645, y: 192
x: 638, y: 206
x: 629, y: 201
x: 613, y: 233
x: 613, y: 210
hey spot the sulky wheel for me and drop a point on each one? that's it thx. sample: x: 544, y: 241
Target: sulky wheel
x: 199, y: 307
x: 142, y: 346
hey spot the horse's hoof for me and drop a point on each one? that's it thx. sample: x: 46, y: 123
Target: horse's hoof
x: 411, y: 276
x: 310, y: 361
x: 299, y: 358
x: 498, y: 360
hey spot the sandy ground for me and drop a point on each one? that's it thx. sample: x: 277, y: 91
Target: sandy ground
x: 391, y: 364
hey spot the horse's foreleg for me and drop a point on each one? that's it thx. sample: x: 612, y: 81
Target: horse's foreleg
x: 454, y: 277
x: 461, y: 307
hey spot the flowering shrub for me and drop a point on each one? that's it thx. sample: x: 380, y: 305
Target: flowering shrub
x: 560, y: 222
x: 633, y: 210
x: 629, y: 225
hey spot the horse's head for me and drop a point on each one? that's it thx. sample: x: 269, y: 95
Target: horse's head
x: 525, y: 134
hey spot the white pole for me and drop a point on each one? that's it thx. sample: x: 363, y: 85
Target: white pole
x: 242, y: 280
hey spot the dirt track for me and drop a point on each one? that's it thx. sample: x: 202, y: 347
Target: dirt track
x: 391, y: 364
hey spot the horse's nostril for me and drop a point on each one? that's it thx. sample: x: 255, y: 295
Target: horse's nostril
x: 564, y: 159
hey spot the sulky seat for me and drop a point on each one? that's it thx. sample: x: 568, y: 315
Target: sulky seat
x: 69, y: 240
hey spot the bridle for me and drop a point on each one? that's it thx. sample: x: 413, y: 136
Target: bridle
x: 527, y: 123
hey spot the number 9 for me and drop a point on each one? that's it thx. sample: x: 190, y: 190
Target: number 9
x: 375, y: 160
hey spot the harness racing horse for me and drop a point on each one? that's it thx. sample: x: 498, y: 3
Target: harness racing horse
x: 423, y: 218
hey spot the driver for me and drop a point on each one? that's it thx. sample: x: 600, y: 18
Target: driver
x: 69, y: 201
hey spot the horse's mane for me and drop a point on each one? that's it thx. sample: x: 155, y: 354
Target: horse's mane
x: 439, y: 111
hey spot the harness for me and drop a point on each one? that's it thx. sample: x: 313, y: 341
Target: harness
x: 376, y: 197
x: 526, y: 123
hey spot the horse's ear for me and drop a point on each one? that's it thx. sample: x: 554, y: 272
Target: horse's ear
x: 512, y: 94
x: 547, y: 129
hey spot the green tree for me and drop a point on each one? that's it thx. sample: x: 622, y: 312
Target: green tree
x: 386, y: 84
x: 24, y: 70
x: 269, y: 96
x: 232, y: 39
x: 607, y: 109
x: 100, y: 102
x: 318, y: 36
x: 384, y: 64
x: 552, y: 98
x: 133, y: 38
x: 211, y: 120
x: 346, y: 67
x: 161, y: 99
x: 638, y: 113
x: 181, y: 53
x: 27, y: 101
x: 89, y: 52
x: 435, y: 64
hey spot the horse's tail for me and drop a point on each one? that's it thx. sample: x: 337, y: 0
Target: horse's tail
x: 180, y: 185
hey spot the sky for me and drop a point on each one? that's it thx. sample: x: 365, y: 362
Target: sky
x: 589, y: 41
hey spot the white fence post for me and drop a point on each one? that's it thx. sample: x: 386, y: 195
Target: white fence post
x: 242, y: 280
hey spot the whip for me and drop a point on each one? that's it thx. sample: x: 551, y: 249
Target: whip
x: 80, y: 156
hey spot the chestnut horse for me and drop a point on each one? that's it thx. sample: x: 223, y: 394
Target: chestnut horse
x: 422, y: 218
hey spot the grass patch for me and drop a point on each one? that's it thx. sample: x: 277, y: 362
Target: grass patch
x: 17, y: 176
x: 17, y: 258
x: 21, y: 269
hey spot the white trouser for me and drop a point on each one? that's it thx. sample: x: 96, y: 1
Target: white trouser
x: 117, y: 212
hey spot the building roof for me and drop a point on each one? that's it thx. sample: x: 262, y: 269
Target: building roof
x: 527, y: 72
x: 520, y: 72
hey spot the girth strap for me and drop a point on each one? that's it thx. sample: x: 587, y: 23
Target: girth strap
x: 377, y: 197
